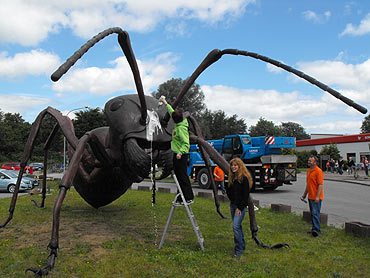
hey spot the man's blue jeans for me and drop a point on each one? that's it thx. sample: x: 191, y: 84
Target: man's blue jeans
x: 238, y: 230
x: 315, y: 214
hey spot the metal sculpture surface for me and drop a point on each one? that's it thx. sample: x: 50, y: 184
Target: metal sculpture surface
x: 107, y: 160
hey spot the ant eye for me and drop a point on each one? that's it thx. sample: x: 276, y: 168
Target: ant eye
x: 116, y: 104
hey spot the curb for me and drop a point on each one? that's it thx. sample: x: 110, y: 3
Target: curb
x: 348, y: 181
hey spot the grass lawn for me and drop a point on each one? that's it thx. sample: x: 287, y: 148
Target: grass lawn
x: 121, y: 240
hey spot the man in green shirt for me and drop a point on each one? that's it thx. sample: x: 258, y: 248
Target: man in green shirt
x: 180, y: 146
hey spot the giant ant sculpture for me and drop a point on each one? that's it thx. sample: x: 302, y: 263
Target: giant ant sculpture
x: 107, y: 160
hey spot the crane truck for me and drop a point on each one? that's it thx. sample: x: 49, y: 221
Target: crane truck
x: 262, y: 156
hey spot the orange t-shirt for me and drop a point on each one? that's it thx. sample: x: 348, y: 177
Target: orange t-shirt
x: 314, y: 178
x: 218, y: 171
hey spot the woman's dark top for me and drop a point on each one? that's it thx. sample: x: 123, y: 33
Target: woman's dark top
x: 238, y: 193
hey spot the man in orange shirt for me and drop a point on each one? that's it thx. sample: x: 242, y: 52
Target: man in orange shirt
x: 315, y: 190
x: 219, y: 178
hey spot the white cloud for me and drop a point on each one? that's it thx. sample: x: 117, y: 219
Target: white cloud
x: 316, y: 18
x: 352, y: 80
x: 362, y: 29
x: 321, y: 113
x: 21, y: 103
x: 340, y: 127
x: 104, y: 81
x: 29, y: 22
x: 327, y: 15
x: 310, y: 15
x: 35, y: 62
x: 274, y: 69
x: 272, y: 105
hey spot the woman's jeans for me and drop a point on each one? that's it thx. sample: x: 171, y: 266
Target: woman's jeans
x: 237, y: 229
x: 315, y: 214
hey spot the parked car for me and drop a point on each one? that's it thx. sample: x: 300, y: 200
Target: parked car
x: 36, y: 166
x: 17, y: 167
x: 28, y: 180
x: 8, y: 183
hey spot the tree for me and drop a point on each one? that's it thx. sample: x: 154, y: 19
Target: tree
x: 216, y: 124
x: 56, y: 148
x: 264, y: 128
x: 87, y: 120
x: 331, y: 150
x: 365, y: 127
x: 302, y: 158
x: 193, y: 100
x: 14, y: 132
x: 291, y: 129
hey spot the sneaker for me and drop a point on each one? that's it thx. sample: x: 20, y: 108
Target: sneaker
x: 315, y: 233
x: 236, y: 256
x: 179, y: 201
x: 189, y: 202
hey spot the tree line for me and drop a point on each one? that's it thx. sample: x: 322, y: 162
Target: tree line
x: 14, y: 130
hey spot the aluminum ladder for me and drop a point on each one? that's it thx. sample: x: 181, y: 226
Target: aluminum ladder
x: 190, y: 215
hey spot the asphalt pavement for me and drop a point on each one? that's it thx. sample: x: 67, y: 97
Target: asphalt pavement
x: 345, y: 177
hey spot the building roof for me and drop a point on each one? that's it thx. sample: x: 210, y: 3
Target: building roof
x: 365, y: 137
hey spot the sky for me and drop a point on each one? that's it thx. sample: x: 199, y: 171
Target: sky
x: 326, y: 39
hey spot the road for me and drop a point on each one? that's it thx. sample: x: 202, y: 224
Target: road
x: 4, y: 194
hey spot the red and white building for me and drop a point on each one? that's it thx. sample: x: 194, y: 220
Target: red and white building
x: 356, y: 146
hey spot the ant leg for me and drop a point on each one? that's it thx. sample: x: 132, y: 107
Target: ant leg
x: 67, y: 129
x: 65, y: 184
x: 206, y: 149
x: 218, y: 159
x: 46, y: 149
x: 26, y: 155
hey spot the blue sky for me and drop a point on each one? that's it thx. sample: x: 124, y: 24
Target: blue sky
x: 326, y: 39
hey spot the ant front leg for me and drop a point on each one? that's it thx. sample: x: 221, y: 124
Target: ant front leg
x: 65, y: 184
x: 67, y: 130
x: 206, y: 149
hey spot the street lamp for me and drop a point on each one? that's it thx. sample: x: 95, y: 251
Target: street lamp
x: 64, y: 138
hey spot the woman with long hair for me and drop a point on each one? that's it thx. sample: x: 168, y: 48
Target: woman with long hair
x: 239, y: 185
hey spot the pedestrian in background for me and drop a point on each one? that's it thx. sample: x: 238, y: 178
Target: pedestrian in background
x: 332, y: 165
x: 366, y: 166
x: 219, y: 179
x: 239, y: 185
x: 315, y: 190
x: 351, y: 165
x: 340, y: 169
x: 328, y: 166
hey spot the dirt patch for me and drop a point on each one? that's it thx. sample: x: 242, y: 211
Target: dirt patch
x: 70, y: 233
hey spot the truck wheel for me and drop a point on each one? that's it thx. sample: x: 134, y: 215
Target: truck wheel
x: 204, y: 179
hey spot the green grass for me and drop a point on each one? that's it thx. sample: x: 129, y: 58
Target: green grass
x: 300, y: 170
x: 119, y: 240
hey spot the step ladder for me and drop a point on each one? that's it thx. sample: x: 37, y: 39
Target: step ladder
x: 190, y: 215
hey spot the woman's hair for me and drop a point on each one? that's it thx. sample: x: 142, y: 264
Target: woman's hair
x: 177, y: 116
x: 242, y: 171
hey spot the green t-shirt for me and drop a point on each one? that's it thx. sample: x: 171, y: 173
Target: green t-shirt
x: 180, y: 135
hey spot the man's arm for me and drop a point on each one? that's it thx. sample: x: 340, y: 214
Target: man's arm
x: 319, y: 190
x: 305, y: 193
